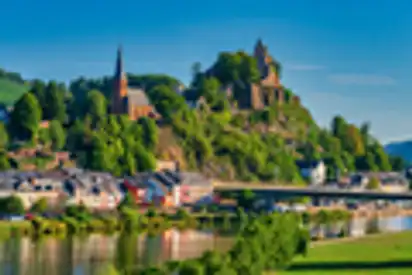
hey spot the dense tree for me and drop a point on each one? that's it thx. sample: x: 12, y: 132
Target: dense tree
x: 25, y: 118
x: 352, y: 141
x: 96, y: 105
x: 54, y: 103
x: 252, y: 145
x: 145, y: 161
x: 397, y: 163
x: 76, y: 136
x: 338, y: 126
x: 40, y: 206
x: 166, y: 101
x: 38, y: 89
x: 12, y: 205
x: 381, y: 158
x: 99, y: 157
x: 148, y: 133
x: 4, y: 162
x: 57, y: 135
x: 4, y: 137
x: 365, y: 132
x: 366, y: 163
x: 111, y: 125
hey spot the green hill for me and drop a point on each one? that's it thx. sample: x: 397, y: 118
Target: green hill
x: 11, y: 91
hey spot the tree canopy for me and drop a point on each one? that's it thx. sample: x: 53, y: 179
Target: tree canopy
x: 214, y: 137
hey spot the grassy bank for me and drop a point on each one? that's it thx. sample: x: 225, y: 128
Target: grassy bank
x: 372, y: 255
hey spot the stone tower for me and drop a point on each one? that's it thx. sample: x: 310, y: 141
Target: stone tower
x: 269, y: 76
x: 119, y: 85
x: 269, y: 89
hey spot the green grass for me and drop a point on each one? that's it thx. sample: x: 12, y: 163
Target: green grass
x: 373, y: 255
x: 11, y: 91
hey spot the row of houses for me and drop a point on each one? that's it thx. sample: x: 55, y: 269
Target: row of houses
x: 103, y: 191
x: 316, y: 173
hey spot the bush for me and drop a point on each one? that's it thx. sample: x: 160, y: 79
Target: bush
x: 182, y: 214
x: 12, y: 205
x: 265, y: 243
x: 111, y: 223
x: 151, y: 212
x: 40, y: 206
x: 191, y: 267
x: 72, y: 224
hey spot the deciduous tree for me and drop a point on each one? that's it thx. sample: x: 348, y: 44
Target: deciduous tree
x: 25, y: 117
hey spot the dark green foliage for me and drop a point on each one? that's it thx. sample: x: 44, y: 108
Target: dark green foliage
x: 166, y: 101
x: 397, y: 163
x: 11, y: 205
x: 56, y: 135
x: 4, y: 137
x: 182, y: 214
x: 95, y: 106
x: 248, y: 145
x: 128, y: 201
x: 191, y: 268
x: 25, y: 118
x: 349, y: 148
x: 4, y: 163
x: 246, y: 199
x: 79, y: 212
x: 40, y: 206
x: 53, y: 103
x: 110, y: 143
x: 151, y: 212
x: 265, y: 243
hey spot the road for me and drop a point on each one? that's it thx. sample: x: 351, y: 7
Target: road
x: 282, y: 191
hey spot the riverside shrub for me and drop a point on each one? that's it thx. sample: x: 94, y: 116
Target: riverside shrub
x: 267, y: 242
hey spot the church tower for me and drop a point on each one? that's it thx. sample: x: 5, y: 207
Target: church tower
x: 119, y: 94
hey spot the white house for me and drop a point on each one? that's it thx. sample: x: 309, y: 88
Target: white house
x: 314, y: 171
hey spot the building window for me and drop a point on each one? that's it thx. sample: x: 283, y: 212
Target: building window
x: 48, y: 188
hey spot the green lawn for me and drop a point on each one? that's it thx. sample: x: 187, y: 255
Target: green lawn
x: 11, y: 91
x: 373, y: 255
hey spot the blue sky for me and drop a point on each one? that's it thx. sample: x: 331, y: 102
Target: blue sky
x: 342, y: 57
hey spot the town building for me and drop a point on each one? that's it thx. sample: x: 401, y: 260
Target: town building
x: 314, y: 171
x: 126, y: 100
x: 168, y: 188
x: 390, y: 182
x: 95, y: 190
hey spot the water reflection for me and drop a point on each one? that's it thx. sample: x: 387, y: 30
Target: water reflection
x: 362, y: 226
x: 89, y: 255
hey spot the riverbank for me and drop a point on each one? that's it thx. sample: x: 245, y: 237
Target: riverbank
x: 380, y: 254
x: 8, y: 228
x: 78, y: 220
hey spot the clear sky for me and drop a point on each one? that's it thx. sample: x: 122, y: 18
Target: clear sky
x: 351, y: 57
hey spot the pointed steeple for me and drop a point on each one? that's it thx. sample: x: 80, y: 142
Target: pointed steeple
x: 119, y: 85
x: 119, y: 72
x: 260, y: 47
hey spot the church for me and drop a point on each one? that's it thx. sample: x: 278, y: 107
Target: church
x: 126, y: 100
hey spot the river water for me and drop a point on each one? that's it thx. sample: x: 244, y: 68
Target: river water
x: 93, y: 254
